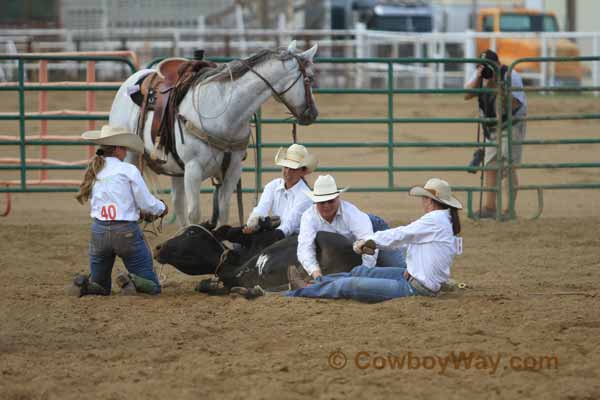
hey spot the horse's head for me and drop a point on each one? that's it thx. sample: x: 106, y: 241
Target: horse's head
x: 295, y: 90
x: 194, y: 251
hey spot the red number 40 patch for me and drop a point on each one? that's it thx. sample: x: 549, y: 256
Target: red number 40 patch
x: 109, y: 212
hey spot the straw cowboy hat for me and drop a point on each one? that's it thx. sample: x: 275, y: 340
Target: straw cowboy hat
x: 115, y: 136
x: 325, y: 189
x: 439, y: 190
x: 296, y: 156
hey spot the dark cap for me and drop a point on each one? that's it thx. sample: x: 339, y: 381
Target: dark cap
x: 198, y: 54
x: 490, y: 55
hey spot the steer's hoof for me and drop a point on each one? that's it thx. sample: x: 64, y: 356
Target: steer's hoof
x: 248, y: 293
x: 210, y: 286
x: 207, y: 285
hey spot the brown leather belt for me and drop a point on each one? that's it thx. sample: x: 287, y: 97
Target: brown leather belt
x: 111, y: 222
x: 416, y: 284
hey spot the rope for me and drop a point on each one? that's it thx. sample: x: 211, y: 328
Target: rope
x: 221, y: 262
x: 205, y: 230
x: 255, y: 159
x: 161, y: 273
x: 156, y: 228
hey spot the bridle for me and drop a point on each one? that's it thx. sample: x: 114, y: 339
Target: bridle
x: 307, y: 80
x: 206, y: 230
x: 225, y: 249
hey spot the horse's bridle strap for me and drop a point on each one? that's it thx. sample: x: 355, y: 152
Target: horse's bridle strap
x: 279, y: 95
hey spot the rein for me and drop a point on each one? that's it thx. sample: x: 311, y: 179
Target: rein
x: 279, y: 95
x: 155, y: 228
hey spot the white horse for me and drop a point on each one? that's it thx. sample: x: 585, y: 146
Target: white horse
x: 222, y: 106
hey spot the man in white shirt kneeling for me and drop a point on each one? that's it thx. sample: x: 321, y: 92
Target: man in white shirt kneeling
x: 329, y: 213
x: 285, y: 197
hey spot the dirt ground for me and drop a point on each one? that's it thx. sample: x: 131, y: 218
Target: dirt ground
x: 529, y: 321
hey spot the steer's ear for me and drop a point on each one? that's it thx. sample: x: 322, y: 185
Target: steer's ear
x: 221, y: 232
x: 309, y: 54
x: 208, y: 225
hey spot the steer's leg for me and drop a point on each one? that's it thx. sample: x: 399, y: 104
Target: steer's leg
x: 178, y: 198
x: 192, y: 181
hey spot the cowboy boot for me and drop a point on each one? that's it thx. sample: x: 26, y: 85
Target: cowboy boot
x: 248, y: 293
x: 451, y: 285
x: 126, y: 284
x: 130, y: 282
x: 83, y: 286
x: 297, y: 277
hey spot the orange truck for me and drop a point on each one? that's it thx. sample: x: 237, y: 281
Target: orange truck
x: 510, y: 49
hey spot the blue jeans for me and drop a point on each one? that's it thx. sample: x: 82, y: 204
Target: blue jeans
x: 123, y: 239
x: 362, y: 284
x: 386, y: 258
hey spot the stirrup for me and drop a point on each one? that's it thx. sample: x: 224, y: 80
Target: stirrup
x: 158, y: 153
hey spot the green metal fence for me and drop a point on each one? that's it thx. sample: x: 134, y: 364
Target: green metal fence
x: 511, y: 166
x: 390, y: 121
x: 22, y: 116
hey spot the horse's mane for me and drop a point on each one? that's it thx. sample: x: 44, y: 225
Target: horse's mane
x: 237, y: 68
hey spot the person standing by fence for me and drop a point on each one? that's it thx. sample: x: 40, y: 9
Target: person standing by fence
x: 485, y: 77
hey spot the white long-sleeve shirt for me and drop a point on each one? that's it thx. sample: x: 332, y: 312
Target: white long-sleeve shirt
x: 120, y: 192
x: 349, y: 221
x: 288, y: 204
x: 431, y: 247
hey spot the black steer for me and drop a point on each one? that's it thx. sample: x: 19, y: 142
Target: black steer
x: 197, y: 251
x: 269, y: 267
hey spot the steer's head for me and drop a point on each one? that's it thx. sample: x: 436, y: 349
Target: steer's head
x: 193, y: 251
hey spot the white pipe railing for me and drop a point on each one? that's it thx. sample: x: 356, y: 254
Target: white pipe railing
x: 360, y: 42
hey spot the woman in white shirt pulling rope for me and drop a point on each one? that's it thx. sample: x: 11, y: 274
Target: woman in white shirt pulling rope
x: 431, y: 244
x: 117, y: 194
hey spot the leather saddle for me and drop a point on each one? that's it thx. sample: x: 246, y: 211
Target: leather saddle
x: 162, y: 92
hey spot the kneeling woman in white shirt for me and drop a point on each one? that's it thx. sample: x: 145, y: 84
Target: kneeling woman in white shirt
x: 431, y: 243
x: 117, y: 193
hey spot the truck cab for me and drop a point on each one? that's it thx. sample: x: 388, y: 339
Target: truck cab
x: 399, y: 18
x: 510, y: 49
x: 383, y: 15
